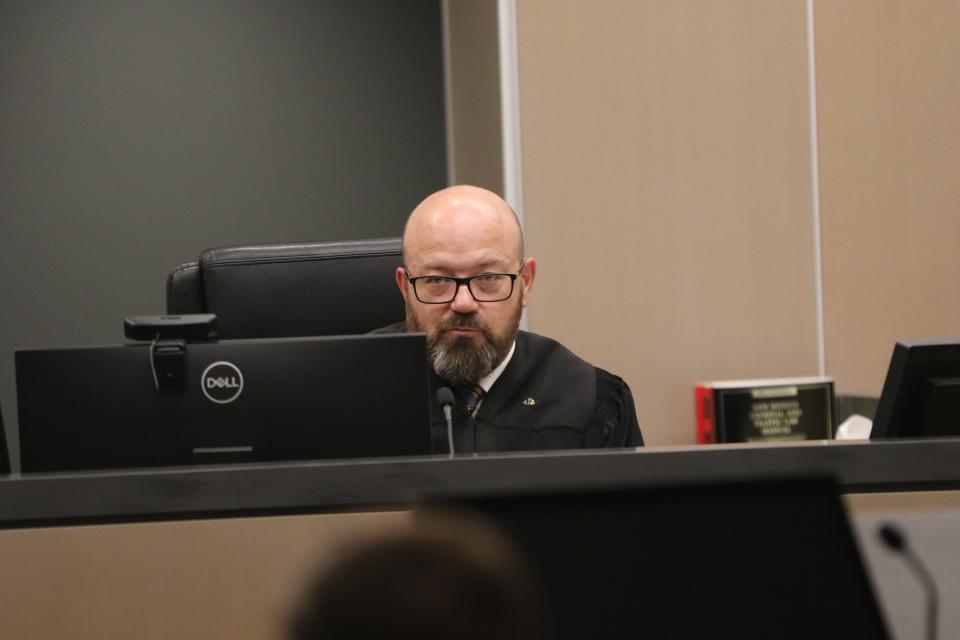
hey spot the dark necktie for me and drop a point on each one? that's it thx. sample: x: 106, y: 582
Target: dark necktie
x: 469, y: 398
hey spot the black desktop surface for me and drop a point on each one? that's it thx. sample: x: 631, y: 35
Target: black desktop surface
x: 324, y: 486
x: 766, y: 559
x: 274, y: 399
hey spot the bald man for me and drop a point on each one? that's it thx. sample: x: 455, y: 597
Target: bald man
x: 465, y: 282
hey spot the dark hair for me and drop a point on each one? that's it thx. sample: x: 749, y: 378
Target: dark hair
x: 418, y: 587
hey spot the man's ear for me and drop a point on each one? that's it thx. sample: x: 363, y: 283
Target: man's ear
x: 401, y: 277
x: 527, y: 273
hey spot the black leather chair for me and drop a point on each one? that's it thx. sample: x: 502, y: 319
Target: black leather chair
x: 300, y: 289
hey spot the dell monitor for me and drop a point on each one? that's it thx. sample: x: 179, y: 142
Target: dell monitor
x: 230, y: 401
x: 921, y: 394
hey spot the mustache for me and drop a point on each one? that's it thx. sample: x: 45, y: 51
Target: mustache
x: 462, y: 321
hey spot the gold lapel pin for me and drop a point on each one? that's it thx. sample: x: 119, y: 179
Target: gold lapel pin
x: 529, y: 402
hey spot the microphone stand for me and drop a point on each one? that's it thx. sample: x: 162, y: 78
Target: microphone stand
x: 896, y: 541
x: 446, y: 401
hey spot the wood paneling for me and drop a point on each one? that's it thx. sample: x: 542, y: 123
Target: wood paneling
x: 889, y: 114
x: 667, y: 192
x: 231, y: 578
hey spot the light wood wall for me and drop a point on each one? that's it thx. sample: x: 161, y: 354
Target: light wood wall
x: 235, y: 578
x: 889, y: 112
x: 669, y: 189
x: 667, y: 192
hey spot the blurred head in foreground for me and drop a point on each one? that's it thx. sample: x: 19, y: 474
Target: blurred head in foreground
x: 444, y: 579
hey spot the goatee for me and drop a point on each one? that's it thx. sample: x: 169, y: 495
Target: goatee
x: 464, y: 360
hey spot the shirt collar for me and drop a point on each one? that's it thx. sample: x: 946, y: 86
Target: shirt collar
x: 487, y: 381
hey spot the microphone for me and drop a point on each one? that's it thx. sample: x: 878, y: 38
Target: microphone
x: 896, y: 541
x: 446, y: 401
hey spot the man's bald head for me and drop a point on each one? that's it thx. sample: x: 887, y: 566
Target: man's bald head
x: 461, y: 217
x: 452, y: 238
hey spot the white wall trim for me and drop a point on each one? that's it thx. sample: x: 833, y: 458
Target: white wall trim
x: 510, y: 105
x: 510, y: 112
x: 815, y: 186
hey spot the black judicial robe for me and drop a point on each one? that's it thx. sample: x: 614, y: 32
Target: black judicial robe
x: 546, y: 398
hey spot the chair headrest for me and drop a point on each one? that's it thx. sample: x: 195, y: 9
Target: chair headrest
x: 296, y: 289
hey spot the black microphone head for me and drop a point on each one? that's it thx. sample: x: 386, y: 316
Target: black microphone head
x: 445, y: 397
x: 892, y: 537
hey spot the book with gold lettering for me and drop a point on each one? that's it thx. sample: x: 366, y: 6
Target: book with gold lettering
x: 765, y: 410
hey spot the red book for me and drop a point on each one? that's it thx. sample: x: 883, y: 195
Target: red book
x: 706, y: 433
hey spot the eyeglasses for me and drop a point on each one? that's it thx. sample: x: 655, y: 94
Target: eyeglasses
x: 484, y: 287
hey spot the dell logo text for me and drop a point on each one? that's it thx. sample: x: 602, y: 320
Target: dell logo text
x: 221, y: 382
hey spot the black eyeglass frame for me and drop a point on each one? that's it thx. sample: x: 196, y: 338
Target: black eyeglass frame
x: 464, y: 281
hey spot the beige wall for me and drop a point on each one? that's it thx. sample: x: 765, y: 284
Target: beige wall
x: 667, y: 192
x: 231, y: 578
x: 669, y: 188
x: 889, y: 107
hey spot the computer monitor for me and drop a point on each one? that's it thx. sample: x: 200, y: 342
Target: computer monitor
x: 921, y: 395
x: 241, y: 400
x: 4, y: 452
x: 757, y: 560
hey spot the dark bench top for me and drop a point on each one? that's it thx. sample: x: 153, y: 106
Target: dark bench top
x: 387, y: 484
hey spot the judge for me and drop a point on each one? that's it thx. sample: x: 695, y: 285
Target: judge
x: 465, y: 282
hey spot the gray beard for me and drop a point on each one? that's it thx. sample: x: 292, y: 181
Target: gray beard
x: 461, y: 362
